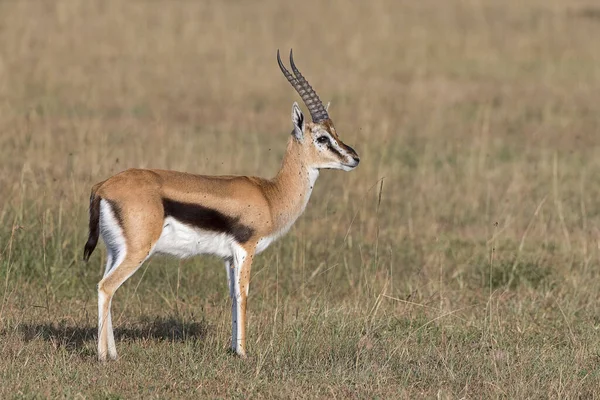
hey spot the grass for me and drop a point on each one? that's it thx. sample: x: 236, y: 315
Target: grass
x: 461, y: 259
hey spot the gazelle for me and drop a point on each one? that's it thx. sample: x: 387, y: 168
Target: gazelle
x: 140, y: 212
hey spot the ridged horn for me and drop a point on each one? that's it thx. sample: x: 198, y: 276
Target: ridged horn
x: 306, y: 92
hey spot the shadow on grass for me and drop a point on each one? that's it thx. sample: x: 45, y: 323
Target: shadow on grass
x: 75, y: 337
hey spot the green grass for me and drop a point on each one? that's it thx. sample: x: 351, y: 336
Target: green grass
x: 459, y: 260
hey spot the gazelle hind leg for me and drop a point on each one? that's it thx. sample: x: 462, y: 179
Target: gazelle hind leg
x: 112, y: 234
x: 124, y: 259
x: 106, y: 290
x: 105, y: 319
x: 114, y: 256
x: 106, y: 339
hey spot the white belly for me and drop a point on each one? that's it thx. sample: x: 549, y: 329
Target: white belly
x: 183, y: 241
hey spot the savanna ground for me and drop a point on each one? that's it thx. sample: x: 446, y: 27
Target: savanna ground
x: 460, y: 259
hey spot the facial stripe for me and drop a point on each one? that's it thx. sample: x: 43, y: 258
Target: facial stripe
x: 344, y: 147
x: 336, y: 146
x: 334, y: 150
x: 207, y: 219
x: 346, y: 156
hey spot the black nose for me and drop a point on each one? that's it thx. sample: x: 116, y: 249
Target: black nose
x: 356, y: 159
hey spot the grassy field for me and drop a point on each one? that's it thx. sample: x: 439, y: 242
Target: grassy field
x: 461, y: 259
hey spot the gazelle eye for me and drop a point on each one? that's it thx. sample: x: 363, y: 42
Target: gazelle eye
x: 322, y: 139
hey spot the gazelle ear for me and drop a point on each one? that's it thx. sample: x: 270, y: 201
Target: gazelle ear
x: 298, y: 121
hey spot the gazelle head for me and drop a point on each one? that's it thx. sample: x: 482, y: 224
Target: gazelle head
x: 321, y: 146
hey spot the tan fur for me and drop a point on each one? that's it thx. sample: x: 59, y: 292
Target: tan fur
x: 268, y: 206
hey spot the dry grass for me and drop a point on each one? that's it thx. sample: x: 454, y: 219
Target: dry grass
x: 461, y: 259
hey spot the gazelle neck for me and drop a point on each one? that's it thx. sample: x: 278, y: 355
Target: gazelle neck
x: 292, y: 187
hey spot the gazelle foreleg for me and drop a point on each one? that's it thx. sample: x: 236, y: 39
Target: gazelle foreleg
x: 230, y: 271
x: 242, y: 262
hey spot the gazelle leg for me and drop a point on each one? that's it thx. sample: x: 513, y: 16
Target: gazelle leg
x: 106, y: 290
x: 230, y: 271
x: 242, y: 264
x: 124, y: 258
x: 106, y: 339
x: 104, y: 318
x: 230, y: 275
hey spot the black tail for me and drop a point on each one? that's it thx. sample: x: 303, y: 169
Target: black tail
x: 94, y: 228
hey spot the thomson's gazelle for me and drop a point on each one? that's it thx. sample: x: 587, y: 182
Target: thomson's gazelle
x: 140, y: 212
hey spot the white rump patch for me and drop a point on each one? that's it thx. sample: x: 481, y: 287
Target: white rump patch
x: 113, y: 237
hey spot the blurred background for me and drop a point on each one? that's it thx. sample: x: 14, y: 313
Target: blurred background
x: 459, y: 259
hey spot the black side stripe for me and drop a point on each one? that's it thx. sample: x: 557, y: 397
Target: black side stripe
x: 208, y: 219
